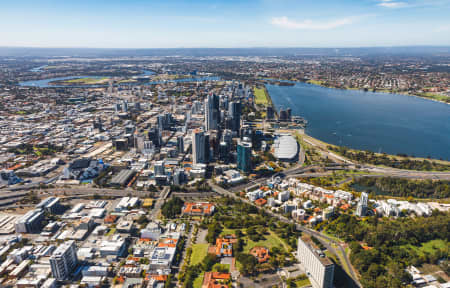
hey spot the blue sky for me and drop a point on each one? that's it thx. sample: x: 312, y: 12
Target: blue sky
x: 224, y: 23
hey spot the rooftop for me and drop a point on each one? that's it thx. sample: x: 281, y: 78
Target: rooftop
x: 286, y: 147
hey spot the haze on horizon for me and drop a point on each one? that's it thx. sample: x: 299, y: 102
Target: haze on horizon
x: 224, y: 23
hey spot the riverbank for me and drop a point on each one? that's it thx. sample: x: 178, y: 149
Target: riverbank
x: 262, y: 96
x: 444, y: 166
x: 400, y: 160
x: 425, y: 95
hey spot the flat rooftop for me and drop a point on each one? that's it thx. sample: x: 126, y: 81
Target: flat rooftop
x: 315, y: 250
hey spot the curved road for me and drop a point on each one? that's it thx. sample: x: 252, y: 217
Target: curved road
x: 299, y: 227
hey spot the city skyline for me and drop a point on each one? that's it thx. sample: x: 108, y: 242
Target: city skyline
x: 227, y: 24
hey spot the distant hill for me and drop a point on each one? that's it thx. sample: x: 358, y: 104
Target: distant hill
x: 198, y: 52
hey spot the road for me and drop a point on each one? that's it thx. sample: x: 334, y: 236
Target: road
x: 159, y: 202
x: 299, y: 227
x: 188, y: 243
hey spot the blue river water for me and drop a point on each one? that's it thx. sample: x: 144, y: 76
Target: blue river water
x: 46, y: 82
x: 379, y: 122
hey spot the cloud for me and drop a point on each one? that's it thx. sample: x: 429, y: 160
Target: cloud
x: 412, y: 3
x: 285, y: 22
x: 443, y: 28
x: 392, y: 4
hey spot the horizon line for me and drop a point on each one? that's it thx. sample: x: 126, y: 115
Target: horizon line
x: 246, y: 47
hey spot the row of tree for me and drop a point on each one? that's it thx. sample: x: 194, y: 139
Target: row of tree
x: 370, y: 157
x: 406, y: 188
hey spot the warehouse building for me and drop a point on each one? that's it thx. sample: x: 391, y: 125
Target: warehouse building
x: 30, y: 222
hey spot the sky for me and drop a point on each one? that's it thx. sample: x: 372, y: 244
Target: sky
x: 224, y: 23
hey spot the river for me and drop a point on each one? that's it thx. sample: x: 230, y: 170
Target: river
x: 46, y: 82
x: 379, y: 122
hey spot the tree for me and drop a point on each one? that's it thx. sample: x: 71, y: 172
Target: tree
x: 172, y: 208
x: 248, y: 262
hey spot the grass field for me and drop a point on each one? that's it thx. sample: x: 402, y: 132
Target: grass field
x: 227, y: 231
x: 221, y: 267
x: 260, y: 96
x: 429, y: 247
x: 87, y: 81
x: 271, y: 240
x: 434, y: 96
x: 198, y: 281
x: 315, y: 82
x: 111, y: 232
x: 199, y: 252
x: 302, y: 283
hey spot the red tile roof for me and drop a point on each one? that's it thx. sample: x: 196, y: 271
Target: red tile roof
x: 216, y: 280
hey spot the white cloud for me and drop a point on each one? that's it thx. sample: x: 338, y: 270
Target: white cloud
x: 392, y: 4
x: 285, y: 22
x: 443, y: 28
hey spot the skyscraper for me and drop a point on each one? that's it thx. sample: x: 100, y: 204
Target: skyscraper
x: 244, y: 156
x: 64, y: 260
x: 361, y: 209
x: 154, y: 135
x: 270, y: 114
x: 180, y: 144
x: 200, y: 147
x: 234, y: 110
x: 211, y: 112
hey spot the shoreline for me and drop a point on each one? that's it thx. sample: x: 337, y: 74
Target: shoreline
x: 386, y: 92
x: 390, y: 155
x: 317, y: 83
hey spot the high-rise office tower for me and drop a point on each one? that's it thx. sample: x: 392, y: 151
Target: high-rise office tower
x: 234, y: 110
x: 180, y: 144
x: 154, y: 135
x: 212, y: 112
x: 244, y: 156
x: 200, y: 147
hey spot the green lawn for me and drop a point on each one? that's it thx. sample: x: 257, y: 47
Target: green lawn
x: 302, y: 283
x: 315, y: 82
x: 272, y: 240
x: 199, y: 252
x: 111, y: 232
x: 428, y: 247
x: 221, y: 267
x: 227, y: 231
x: 198, y: 281
x: 260, y: 96
x: 435, y: 96
x: 432, y: 245
x: 86, y: 80
x: 343, y: 263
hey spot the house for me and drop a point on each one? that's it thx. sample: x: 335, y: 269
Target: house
x: 260, y: 202
x: 260, y: 253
